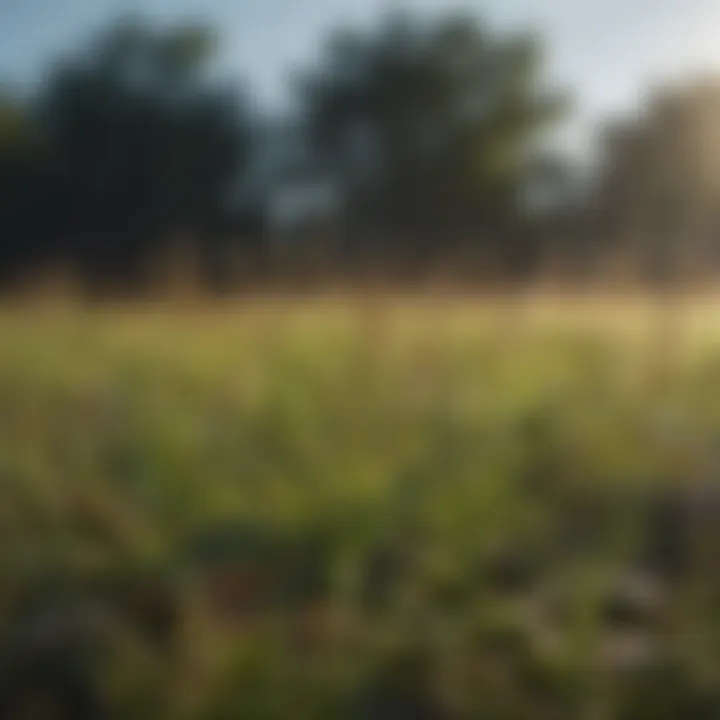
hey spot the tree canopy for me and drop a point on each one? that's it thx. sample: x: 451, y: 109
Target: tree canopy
x: 136, y: 145
x: 432, y: 126
x: 659, y: 189
x: 429, y: 131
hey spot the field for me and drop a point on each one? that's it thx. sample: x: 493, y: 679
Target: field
x: 408, y: 508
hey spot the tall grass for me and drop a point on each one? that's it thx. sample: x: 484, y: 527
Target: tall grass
x: 406, y: 507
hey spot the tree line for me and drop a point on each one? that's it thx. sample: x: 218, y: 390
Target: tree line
x: 432, y: 134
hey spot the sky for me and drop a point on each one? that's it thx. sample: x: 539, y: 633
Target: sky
x: 606, y: 51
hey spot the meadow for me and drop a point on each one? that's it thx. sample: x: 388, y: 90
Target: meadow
x: 362, y: 507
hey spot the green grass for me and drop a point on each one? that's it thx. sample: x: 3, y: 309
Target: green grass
x: 340, y: 509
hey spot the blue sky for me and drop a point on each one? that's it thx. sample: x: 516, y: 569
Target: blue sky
x: 606, y: 50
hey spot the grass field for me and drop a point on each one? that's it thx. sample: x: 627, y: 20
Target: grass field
x: 429, y: 507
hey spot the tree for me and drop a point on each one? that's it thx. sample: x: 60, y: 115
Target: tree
x: 431, y: 128
x: 139, y: 147
x: 659, y: 188
x: 18, y: 174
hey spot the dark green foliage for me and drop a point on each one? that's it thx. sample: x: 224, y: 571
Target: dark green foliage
x: 136, y: 152
x: 432, y: 126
